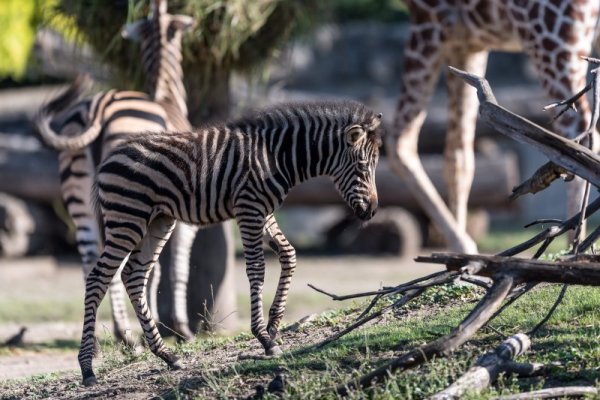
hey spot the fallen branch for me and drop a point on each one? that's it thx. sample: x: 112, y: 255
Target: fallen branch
x: 410, y: 290
x: 408, y: 296
x: 444, y: 345
x: 553, y: 231
x: 521, y: 269
x: 541, y: 179
x: 489, y: 367
x: 552, y: 393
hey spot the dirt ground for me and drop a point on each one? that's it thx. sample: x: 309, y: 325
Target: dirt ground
x: 29, y: 285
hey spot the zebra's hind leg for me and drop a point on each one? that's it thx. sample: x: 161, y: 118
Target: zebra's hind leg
x: 96, y: 285
x: 252, y: 229
x: 287, y: 259
x: 181, y: 250
x: 135, y: 277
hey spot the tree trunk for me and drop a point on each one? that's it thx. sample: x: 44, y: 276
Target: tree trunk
x: 211, y: 288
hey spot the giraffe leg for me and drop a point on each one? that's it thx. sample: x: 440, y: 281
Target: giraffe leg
x: 287, y: 259
x: 557, y: 60
x: 422, y: 63
x: 135, y: 277
x: 459, y: 156
x: 252, y: 228
x: 181, y: 242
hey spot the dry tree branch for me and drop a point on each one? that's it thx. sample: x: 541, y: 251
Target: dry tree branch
x: 541, y: 179
x: 410, y: 290
x: 444, y: 345
x: 489, y: 366
x: 573, y: 157
x: 552, y: 393
x: 414, y: 284
x: 408, y: 296
x: 559, y: 299
x: 553, y: 231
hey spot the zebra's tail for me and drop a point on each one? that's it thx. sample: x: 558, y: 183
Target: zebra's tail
x: 95, y: 202
x: 63, y: 101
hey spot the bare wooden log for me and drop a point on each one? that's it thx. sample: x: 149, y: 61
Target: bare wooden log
x: 444, y: 345
x: 487, y: 368
x: 494, y: 178
x: 523, y: 270
x: 573, y: 157
x: 552, y: 393
x: 27, y: 170
x: 27, y: 227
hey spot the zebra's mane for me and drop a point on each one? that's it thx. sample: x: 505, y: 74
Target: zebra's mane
x: 344, y: 112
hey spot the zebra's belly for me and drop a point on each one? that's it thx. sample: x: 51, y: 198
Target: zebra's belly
x: 197, y: 209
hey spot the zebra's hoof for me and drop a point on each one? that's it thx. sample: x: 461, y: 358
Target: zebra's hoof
x: 184, y: 334
x: 90, y: 380
x: 273, y: 332
x: 274, y: 351
x: 175, y: 365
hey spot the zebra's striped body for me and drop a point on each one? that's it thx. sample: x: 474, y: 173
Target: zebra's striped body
x: 90, y: 129
x: 240, y: 170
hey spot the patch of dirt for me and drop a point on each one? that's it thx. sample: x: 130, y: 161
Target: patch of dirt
x: 151, y: 378
x: 52, y: 346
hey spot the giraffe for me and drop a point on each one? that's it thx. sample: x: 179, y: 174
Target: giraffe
x: 553, y: 33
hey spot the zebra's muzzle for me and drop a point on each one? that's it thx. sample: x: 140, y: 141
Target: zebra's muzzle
x: 365, y: 211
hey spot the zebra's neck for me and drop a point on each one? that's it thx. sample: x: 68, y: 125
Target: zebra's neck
x: 304, y: 148
x: 164, y: 74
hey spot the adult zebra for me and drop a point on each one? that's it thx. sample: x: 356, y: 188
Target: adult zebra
x: 241, y: 170
x: 90, y: 129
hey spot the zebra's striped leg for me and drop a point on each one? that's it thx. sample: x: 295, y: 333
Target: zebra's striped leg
x: 251, y: 229
x: 287, y: 259
x: 76, y: 172
x: 135, y: 277
x: 181, y: 250
x: 152, y: 291
x: 121, y: 328
x: 97, y: 282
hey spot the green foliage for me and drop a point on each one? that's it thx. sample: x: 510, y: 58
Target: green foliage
x: 16, y: 36
x: 353, y: 10
x: 19, y: 20
x: 232, y: 34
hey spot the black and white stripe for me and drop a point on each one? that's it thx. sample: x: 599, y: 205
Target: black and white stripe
x: 241, y: 170
x: 90, y: 129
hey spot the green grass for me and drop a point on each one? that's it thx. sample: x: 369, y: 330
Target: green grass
x: 570, y: 341
x: 570, y: 337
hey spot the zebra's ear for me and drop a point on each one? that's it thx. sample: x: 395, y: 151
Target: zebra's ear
x: 133, y: 30
x: 182, y: 23
x: 354, y: 134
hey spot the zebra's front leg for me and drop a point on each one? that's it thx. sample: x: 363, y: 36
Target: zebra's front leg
x: 182, y: 241
x: 121, y: 327
x: 252, y: 230
x: 287, y: 259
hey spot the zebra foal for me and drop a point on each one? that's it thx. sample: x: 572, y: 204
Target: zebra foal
x: 242, y: 170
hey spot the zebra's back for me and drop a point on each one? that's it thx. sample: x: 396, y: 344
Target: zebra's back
x: 189, y: 176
